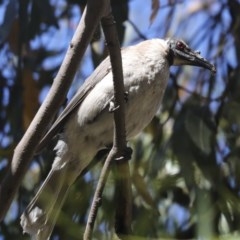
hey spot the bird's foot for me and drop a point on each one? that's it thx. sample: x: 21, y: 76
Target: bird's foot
x: 126, y: 156
x: 112, y: 105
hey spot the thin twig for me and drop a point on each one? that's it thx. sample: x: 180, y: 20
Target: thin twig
x: 137, y: 30
x: 123, y: 202
x: 122, y: 176
x: 98, y: 195
x: 118, y: 150
x: 194, y: 93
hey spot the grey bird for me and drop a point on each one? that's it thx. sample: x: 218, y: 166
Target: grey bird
x: 87, y: 125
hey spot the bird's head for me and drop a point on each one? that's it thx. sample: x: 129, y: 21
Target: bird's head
x: 181, y: 54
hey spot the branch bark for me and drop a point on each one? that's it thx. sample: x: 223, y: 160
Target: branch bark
x: 26, y: 147
x: 119, y: 151
x: 123, y: 199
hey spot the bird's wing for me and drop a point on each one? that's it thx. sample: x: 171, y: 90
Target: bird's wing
x: 100, y: 72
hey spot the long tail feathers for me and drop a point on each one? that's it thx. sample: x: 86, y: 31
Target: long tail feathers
x: 40, y: 216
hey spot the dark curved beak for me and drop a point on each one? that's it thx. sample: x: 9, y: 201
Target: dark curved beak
x: 195, y: 59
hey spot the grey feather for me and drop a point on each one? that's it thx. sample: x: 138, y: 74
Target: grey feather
x: 101, y: 71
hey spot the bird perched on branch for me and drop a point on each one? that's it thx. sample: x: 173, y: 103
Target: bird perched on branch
x: 87, y: 125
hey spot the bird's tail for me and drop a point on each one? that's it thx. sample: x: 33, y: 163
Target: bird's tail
x: 40, y: 216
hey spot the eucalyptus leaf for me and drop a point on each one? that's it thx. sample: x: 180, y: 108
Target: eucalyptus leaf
x: 199, y: 132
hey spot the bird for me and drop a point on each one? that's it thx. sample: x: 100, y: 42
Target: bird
x: 86, y: 124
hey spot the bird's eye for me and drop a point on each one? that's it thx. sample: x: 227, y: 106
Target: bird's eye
x: 180, y: 46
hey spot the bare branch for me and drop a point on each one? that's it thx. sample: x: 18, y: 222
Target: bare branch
x: 98, y: 195
x: 119, y: 149
x: 122, y: 176
x: 26, y: 147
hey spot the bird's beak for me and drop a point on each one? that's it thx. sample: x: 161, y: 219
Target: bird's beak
x: 190, y: 57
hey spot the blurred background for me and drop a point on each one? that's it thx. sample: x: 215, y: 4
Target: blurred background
x: 186, y: 164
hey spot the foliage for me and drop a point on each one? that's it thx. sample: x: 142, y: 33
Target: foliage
x: 185, y: 166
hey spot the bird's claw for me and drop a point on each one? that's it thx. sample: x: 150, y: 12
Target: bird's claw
x: 112, y: 107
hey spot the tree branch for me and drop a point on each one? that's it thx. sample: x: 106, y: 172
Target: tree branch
x: 119, y: 151
x: 123, y: 191
x: 26, y: 147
